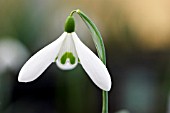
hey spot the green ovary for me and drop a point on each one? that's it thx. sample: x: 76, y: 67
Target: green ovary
x: 68, y: 55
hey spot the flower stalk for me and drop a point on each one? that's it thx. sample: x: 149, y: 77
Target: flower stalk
x: 105, y: 101
x: 97, y: 38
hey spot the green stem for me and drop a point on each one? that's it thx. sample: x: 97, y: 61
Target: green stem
x: 72, y: 12
x: 105, y: 102
x: 97, y: 38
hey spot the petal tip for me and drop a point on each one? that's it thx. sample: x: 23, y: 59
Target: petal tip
x: 22, y: 79
x: 108, y: 87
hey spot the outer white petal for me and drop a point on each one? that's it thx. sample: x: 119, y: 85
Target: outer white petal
x: 37, y: 64
x: 94, y: 67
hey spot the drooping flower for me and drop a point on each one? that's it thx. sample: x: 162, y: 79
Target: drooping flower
x: 67, y: 51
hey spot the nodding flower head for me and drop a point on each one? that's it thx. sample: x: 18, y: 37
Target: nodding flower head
x: 67, y: 51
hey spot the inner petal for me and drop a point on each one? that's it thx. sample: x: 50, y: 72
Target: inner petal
x: 67, y: 57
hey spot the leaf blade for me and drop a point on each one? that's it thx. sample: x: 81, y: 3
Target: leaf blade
x: 96, y: 36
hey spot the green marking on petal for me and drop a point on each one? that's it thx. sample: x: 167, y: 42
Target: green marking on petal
x: 72, y: 58
x: 63, y: 58
x: 68, y: 55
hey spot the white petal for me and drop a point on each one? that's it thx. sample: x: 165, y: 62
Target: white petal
x: 67, y: 47
x: 37, y: 64
x: 93, y: 66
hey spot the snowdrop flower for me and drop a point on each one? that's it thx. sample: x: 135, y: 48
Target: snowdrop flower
x: 67, y: 51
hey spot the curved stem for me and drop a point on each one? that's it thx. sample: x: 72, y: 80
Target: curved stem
x: 72, y: 12
x: 97, y: 38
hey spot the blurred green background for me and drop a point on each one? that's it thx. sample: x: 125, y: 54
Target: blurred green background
x: 136, y: 34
